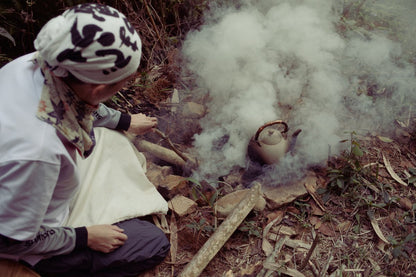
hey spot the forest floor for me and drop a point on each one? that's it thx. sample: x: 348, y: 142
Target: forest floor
x: 360, y: 220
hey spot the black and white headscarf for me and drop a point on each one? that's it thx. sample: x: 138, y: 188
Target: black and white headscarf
x: 94, y: 42
x: 97, y: 45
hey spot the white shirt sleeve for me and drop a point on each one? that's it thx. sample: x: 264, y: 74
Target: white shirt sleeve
x: 25, y: 193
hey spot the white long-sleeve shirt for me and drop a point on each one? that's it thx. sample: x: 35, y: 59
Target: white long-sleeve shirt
x: 38, y: 175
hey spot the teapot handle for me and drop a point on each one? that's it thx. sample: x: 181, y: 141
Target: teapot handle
x: 256, y: 137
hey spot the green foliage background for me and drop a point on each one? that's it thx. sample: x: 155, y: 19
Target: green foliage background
x: 23, y: 20
x: 161, y: 24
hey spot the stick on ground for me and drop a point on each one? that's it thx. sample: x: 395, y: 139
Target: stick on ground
x: 222, y: 234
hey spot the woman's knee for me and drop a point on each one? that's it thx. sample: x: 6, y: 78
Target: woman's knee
x: 145, y: 239
x: 146, y: 247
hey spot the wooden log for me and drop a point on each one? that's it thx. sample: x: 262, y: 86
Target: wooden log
x: 163, y: 153
x: 222, y: 234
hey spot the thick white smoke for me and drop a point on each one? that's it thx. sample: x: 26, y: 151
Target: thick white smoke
x: 268, y: 60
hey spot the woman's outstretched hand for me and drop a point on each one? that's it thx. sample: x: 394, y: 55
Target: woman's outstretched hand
x: 141, y: 124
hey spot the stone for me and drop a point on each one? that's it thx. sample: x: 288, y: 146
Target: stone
x: 226, y: 204
x: 284, y: 194
x: 174, y: 100
x: 182, y: 205
x: 156, y: 174
x: 173, y: 185
x: 193, y: 110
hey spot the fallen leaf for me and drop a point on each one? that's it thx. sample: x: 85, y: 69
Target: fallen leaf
x: 316, y: 222
x: 286, y: 230
x: 401, y: 123
x: 266, y: 245
x: 381, y: 245
x: 385, y: 139
x: 392, y: 173
x: 315, y: 209
x: 277, y: 214
x: 250, y: 269
x: 376, y: 228
x: 296, y: 244
x: 344, y: 226
x: 275, y: 266
x: 229, y: 273
x: 293, y: 210
x: 405, y: 203
x: 324, y: 229
x: 282, y: 230
x: 374, y: 264
x: 310, y: 186
x: 173, y: 239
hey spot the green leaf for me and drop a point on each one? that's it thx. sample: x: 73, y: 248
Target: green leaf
x: 410, y: 237
x: 340, y: 183
x: 356, y: 150
x: 397, y: 251
x: 194, y: 194
x: 195, y: 181
x: 386, y: 197
x: 321, y: 190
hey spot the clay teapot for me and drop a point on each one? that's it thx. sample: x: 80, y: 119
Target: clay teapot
x: 270, y: 144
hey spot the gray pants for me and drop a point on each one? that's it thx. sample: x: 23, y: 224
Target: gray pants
x: 145, y: 247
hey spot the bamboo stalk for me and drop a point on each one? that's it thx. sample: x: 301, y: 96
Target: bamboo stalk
x: 162, y: 135
x: 222, y: 234
x: 160, y: 152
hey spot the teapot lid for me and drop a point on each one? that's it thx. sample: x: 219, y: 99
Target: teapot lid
x: 270, y: 136
x: 286, y: 128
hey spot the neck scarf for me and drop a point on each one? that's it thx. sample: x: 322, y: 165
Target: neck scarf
x: 61, y: 107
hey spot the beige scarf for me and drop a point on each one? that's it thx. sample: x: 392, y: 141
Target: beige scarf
x: 62, y: 108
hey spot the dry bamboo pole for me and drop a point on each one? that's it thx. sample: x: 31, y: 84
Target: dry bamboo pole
x: 160, y: 152
x: 222, y: 234
x: 163, y: 136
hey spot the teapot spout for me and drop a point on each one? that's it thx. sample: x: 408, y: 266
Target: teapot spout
x: 293, y: 141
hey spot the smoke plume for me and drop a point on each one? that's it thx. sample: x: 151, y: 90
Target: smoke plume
x: 315, y: 64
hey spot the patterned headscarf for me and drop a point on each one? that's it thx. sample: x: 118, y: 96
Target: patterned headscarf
x: 97, y: 45
x: 94, y: 42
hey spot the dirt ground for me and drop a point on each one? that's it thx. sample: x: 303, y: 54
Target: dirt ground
x: 360, y: 222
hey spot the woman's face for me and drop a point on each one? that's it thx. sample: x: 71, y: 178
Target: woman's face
x: 107, y: 91
x: 95, y: 94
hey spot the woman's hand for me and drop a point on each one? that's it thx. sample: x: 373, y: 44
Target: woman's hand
x: 141, y: 124
x: 105, y: 238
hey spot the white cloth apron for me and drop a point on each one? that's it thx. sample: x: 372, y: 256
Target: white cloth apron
x: 114, y: 186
